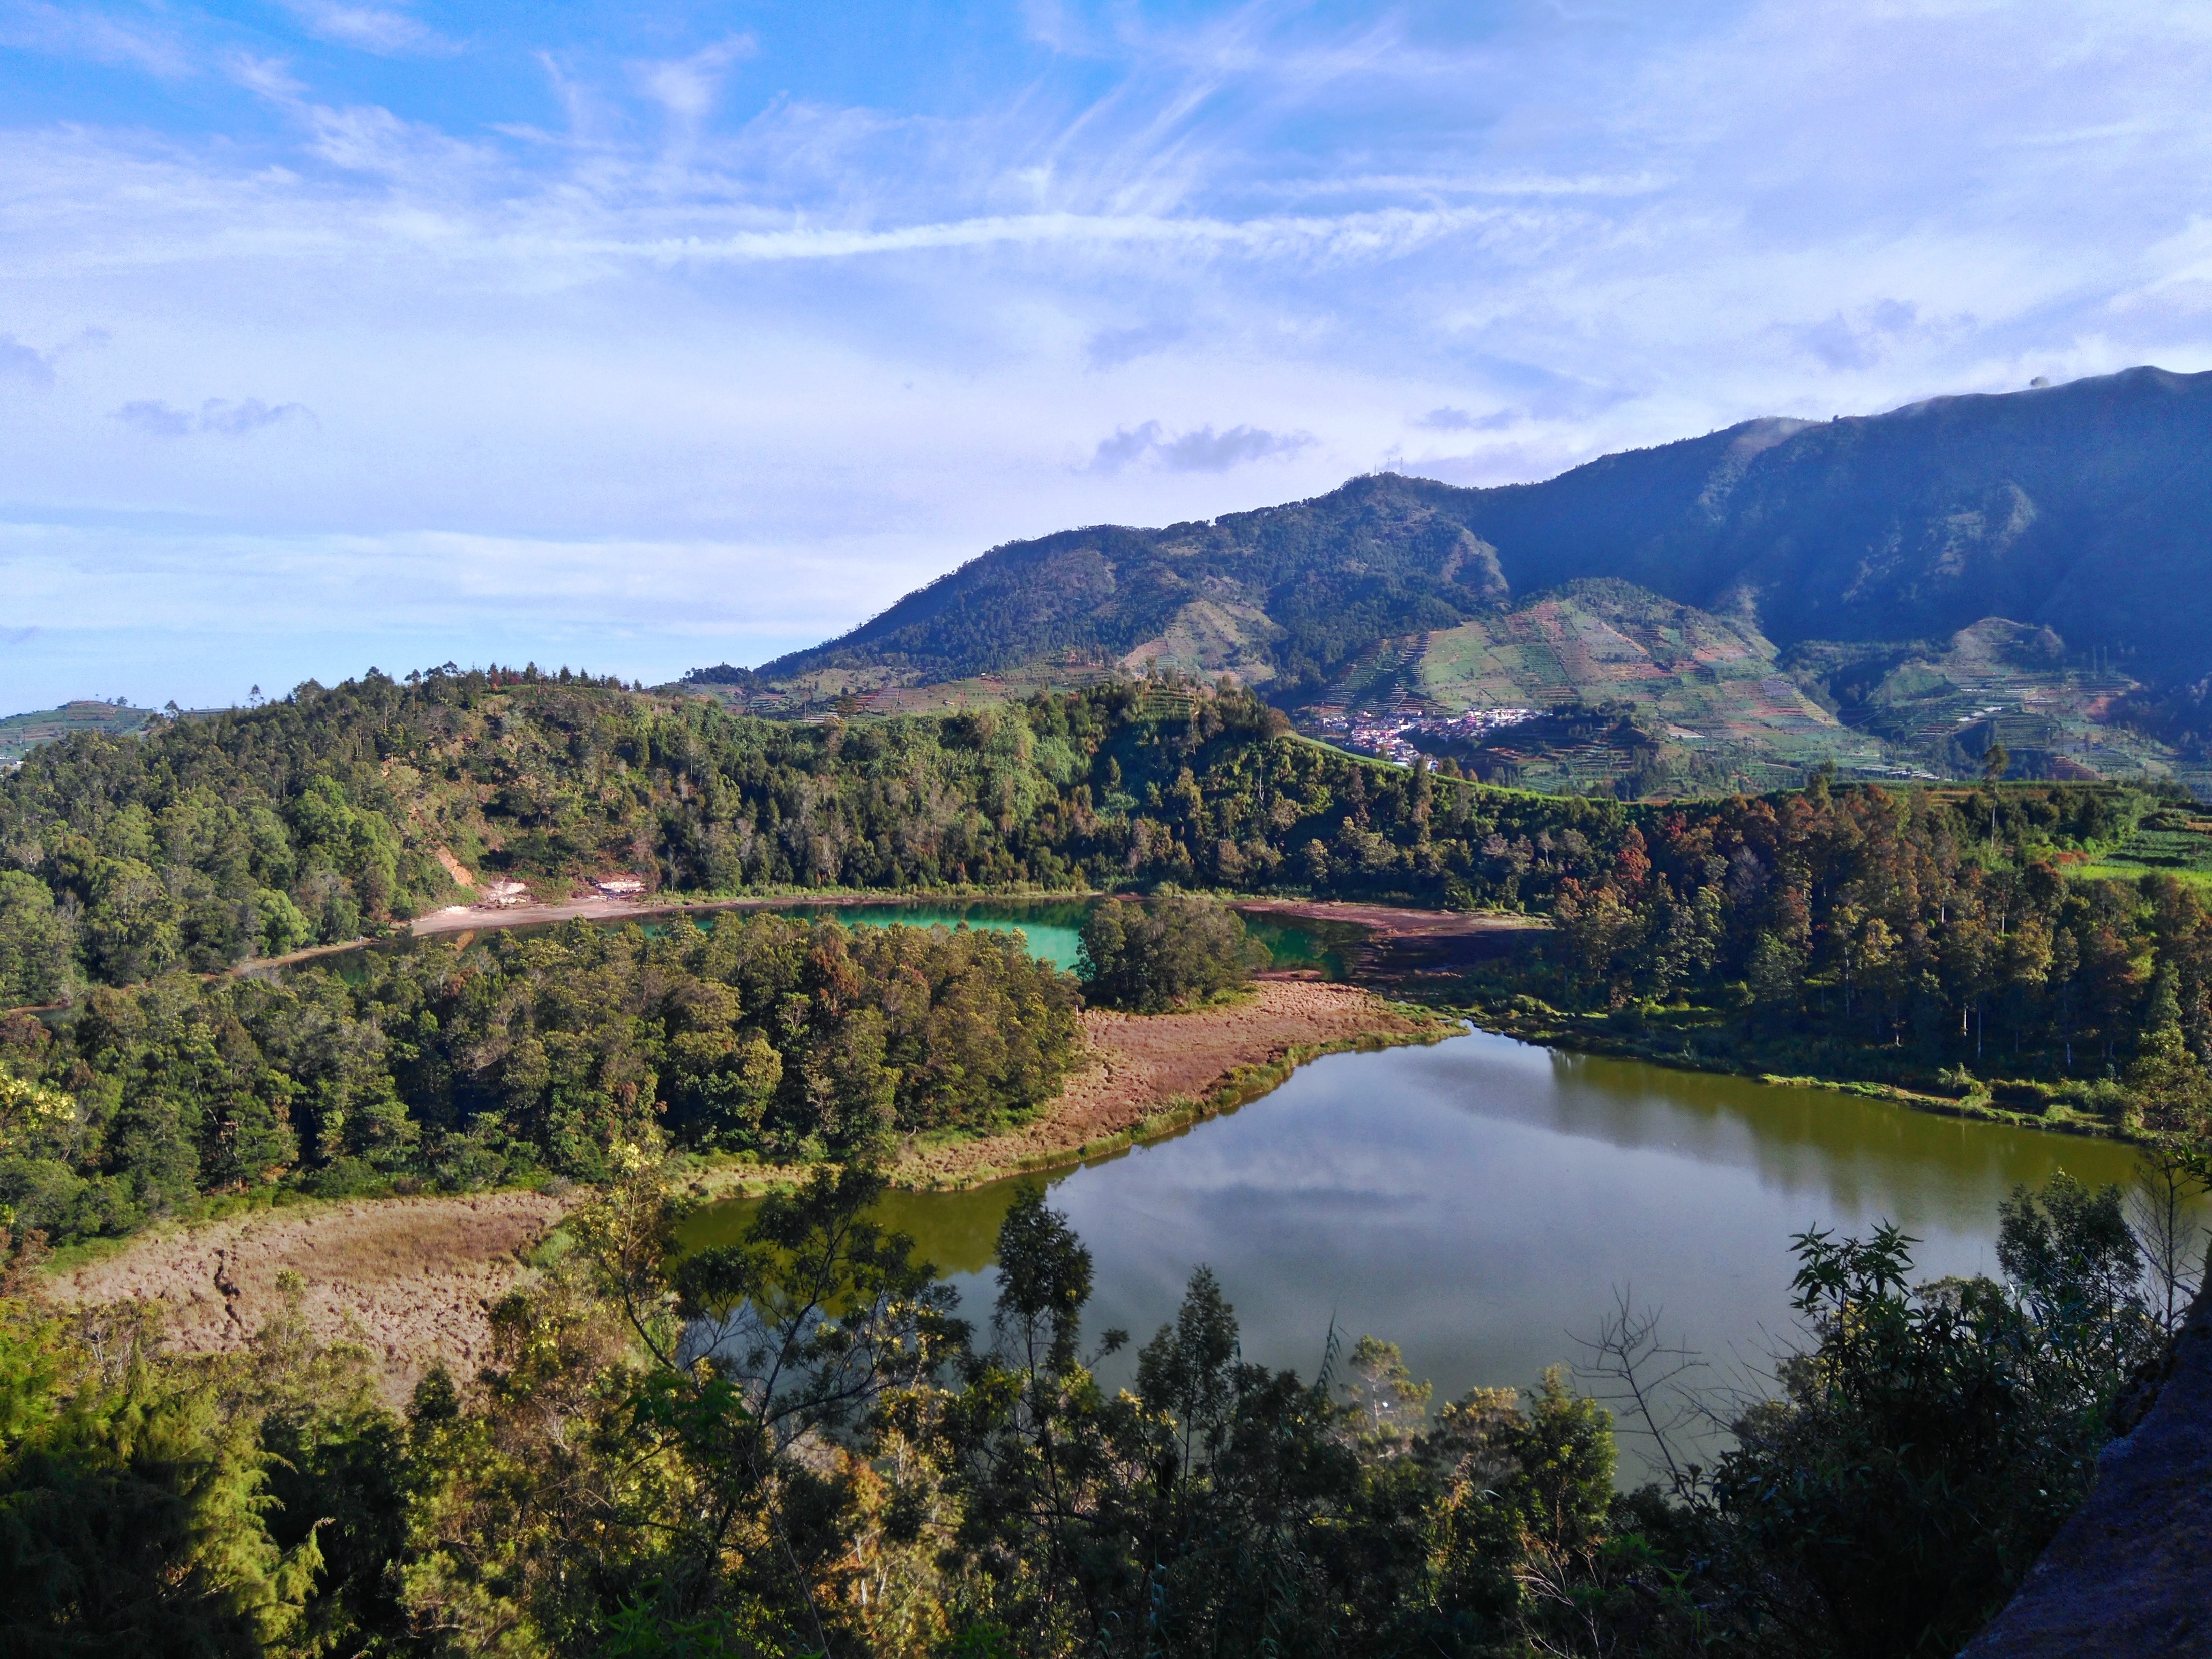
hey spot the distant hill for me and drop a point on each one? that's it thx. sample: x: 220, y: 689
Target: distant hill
x: 21, y: 733
x: 2085, y: 508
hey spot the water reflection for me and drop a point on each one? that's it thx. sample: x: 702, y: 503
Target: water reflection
x: 1481, y: 1201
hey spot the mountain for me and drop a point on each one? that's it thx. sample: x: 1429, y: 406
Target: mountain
x: 2086, y: 509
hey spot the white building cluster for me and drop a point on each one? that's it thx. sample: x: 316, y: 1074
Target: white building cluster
x: 1387, y: 735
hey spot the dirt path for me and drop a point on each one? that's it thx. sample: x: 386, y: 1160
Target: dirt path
x: 462, y: 918
x: 1142, y: 1064
x: 414, y: 1279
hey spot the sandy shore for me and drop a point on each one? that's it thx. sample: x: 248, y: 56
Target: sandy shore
x: 1141, y: 1065
x: 414, y: 1279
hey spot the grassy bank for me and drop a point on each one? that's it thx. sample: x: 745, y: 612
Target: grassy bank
x: 1696, y: 1040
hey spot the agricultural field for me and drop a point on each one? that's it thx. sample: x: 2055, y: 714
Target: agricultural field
x: 2171, y: 840
x: 1626, y: 693
x: 1995, y: 682
x: 1629, y: 691
x: 21, y: 733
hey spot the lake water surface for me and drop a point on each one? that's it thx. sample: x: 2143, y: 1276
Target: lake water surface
x: 1053, y: 927
x: 1479, y: 1201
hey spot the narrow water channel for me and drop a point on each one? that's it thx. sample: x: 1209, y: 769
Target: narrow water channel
x: 1481, y: 1201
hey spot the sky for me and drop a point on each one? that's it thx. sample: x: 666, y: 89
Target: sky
x: 342, y: 333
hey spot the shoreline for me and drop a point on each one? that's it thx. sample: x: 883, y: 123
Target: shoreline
x: 475, y: 918
x: 1120, y: 1099
x: 414, y: 1278
x: 1546, y: 1032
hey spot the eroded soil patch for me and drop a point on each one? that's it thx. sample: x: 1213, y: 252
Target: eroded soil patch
x: 412, y: 1280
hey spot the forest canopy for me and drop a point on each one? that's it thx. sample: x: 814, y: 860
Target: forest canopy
x: 524, y: 1058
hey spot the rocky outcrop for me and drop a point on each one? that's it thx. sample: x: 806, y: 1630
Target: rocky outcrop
x: 2130, y: 1574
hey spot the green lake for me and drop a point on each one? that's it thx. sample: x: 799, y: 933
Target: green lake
x: 1481, y: 1201
x: 1053, y: 926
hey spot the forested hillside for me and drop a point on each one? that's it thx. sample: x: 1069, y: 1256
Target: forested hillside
x: 214, y: 840
x: 2081, y: 507
x: 1919, y: 937
x: 1906, y: 930
x: 523, y: 1057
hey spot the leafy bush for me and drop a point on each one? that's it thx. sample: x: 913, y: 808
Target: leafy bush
x: 1165, y: 953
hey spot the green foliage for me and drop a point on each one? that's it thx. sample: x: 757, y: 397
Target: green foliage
x: 216, y: 840
x: 1871, y: 933
x: 530, y: 1055
x: 165, y: 1505
x: 788, y: 1446
x: 1165, y: 953
x: 1932, y: 1439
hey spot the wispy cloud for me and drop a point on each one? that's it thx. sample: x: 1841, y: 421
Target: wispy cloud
x: 612, y: 280
x: 1202, y: 451
x: 138, y: 43
x: 1110, y: 348
x: 384, y: 30
x: 688, y: 87
x: 1448, y: 419
x: 218, y: 415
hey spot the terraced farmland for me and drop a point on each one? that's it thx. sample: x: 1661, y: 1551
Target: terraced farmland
x: 1703, y: 690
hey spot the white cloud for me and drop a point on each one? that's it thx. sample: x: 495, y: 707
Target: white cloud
x: 688, y: 87
x: 99, y: 37
x: 664, y: 304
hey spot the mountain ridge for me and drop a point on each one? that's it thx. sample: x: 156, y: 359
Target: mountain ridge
x: 2086, y: 507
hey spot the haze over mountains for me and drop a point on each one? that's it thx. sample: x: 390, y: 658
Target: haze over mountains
x: 2087, y: 507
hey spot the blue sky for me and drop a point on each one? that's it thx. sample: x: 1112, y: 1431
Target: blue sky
x: 640, y: 337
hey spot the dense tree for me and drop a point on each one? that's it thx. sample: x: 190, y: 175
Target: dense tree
x: 528, y: 1056
x: 1165, y: 952
x: 1868, y: 932
x: 211, y: 840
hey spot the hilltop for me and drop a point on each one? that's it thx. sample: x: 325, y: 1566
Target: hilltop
x: 21, y: 733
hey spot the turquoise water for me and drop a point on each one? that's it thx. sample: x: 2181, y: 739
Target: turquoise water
x: 1054, y: 927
